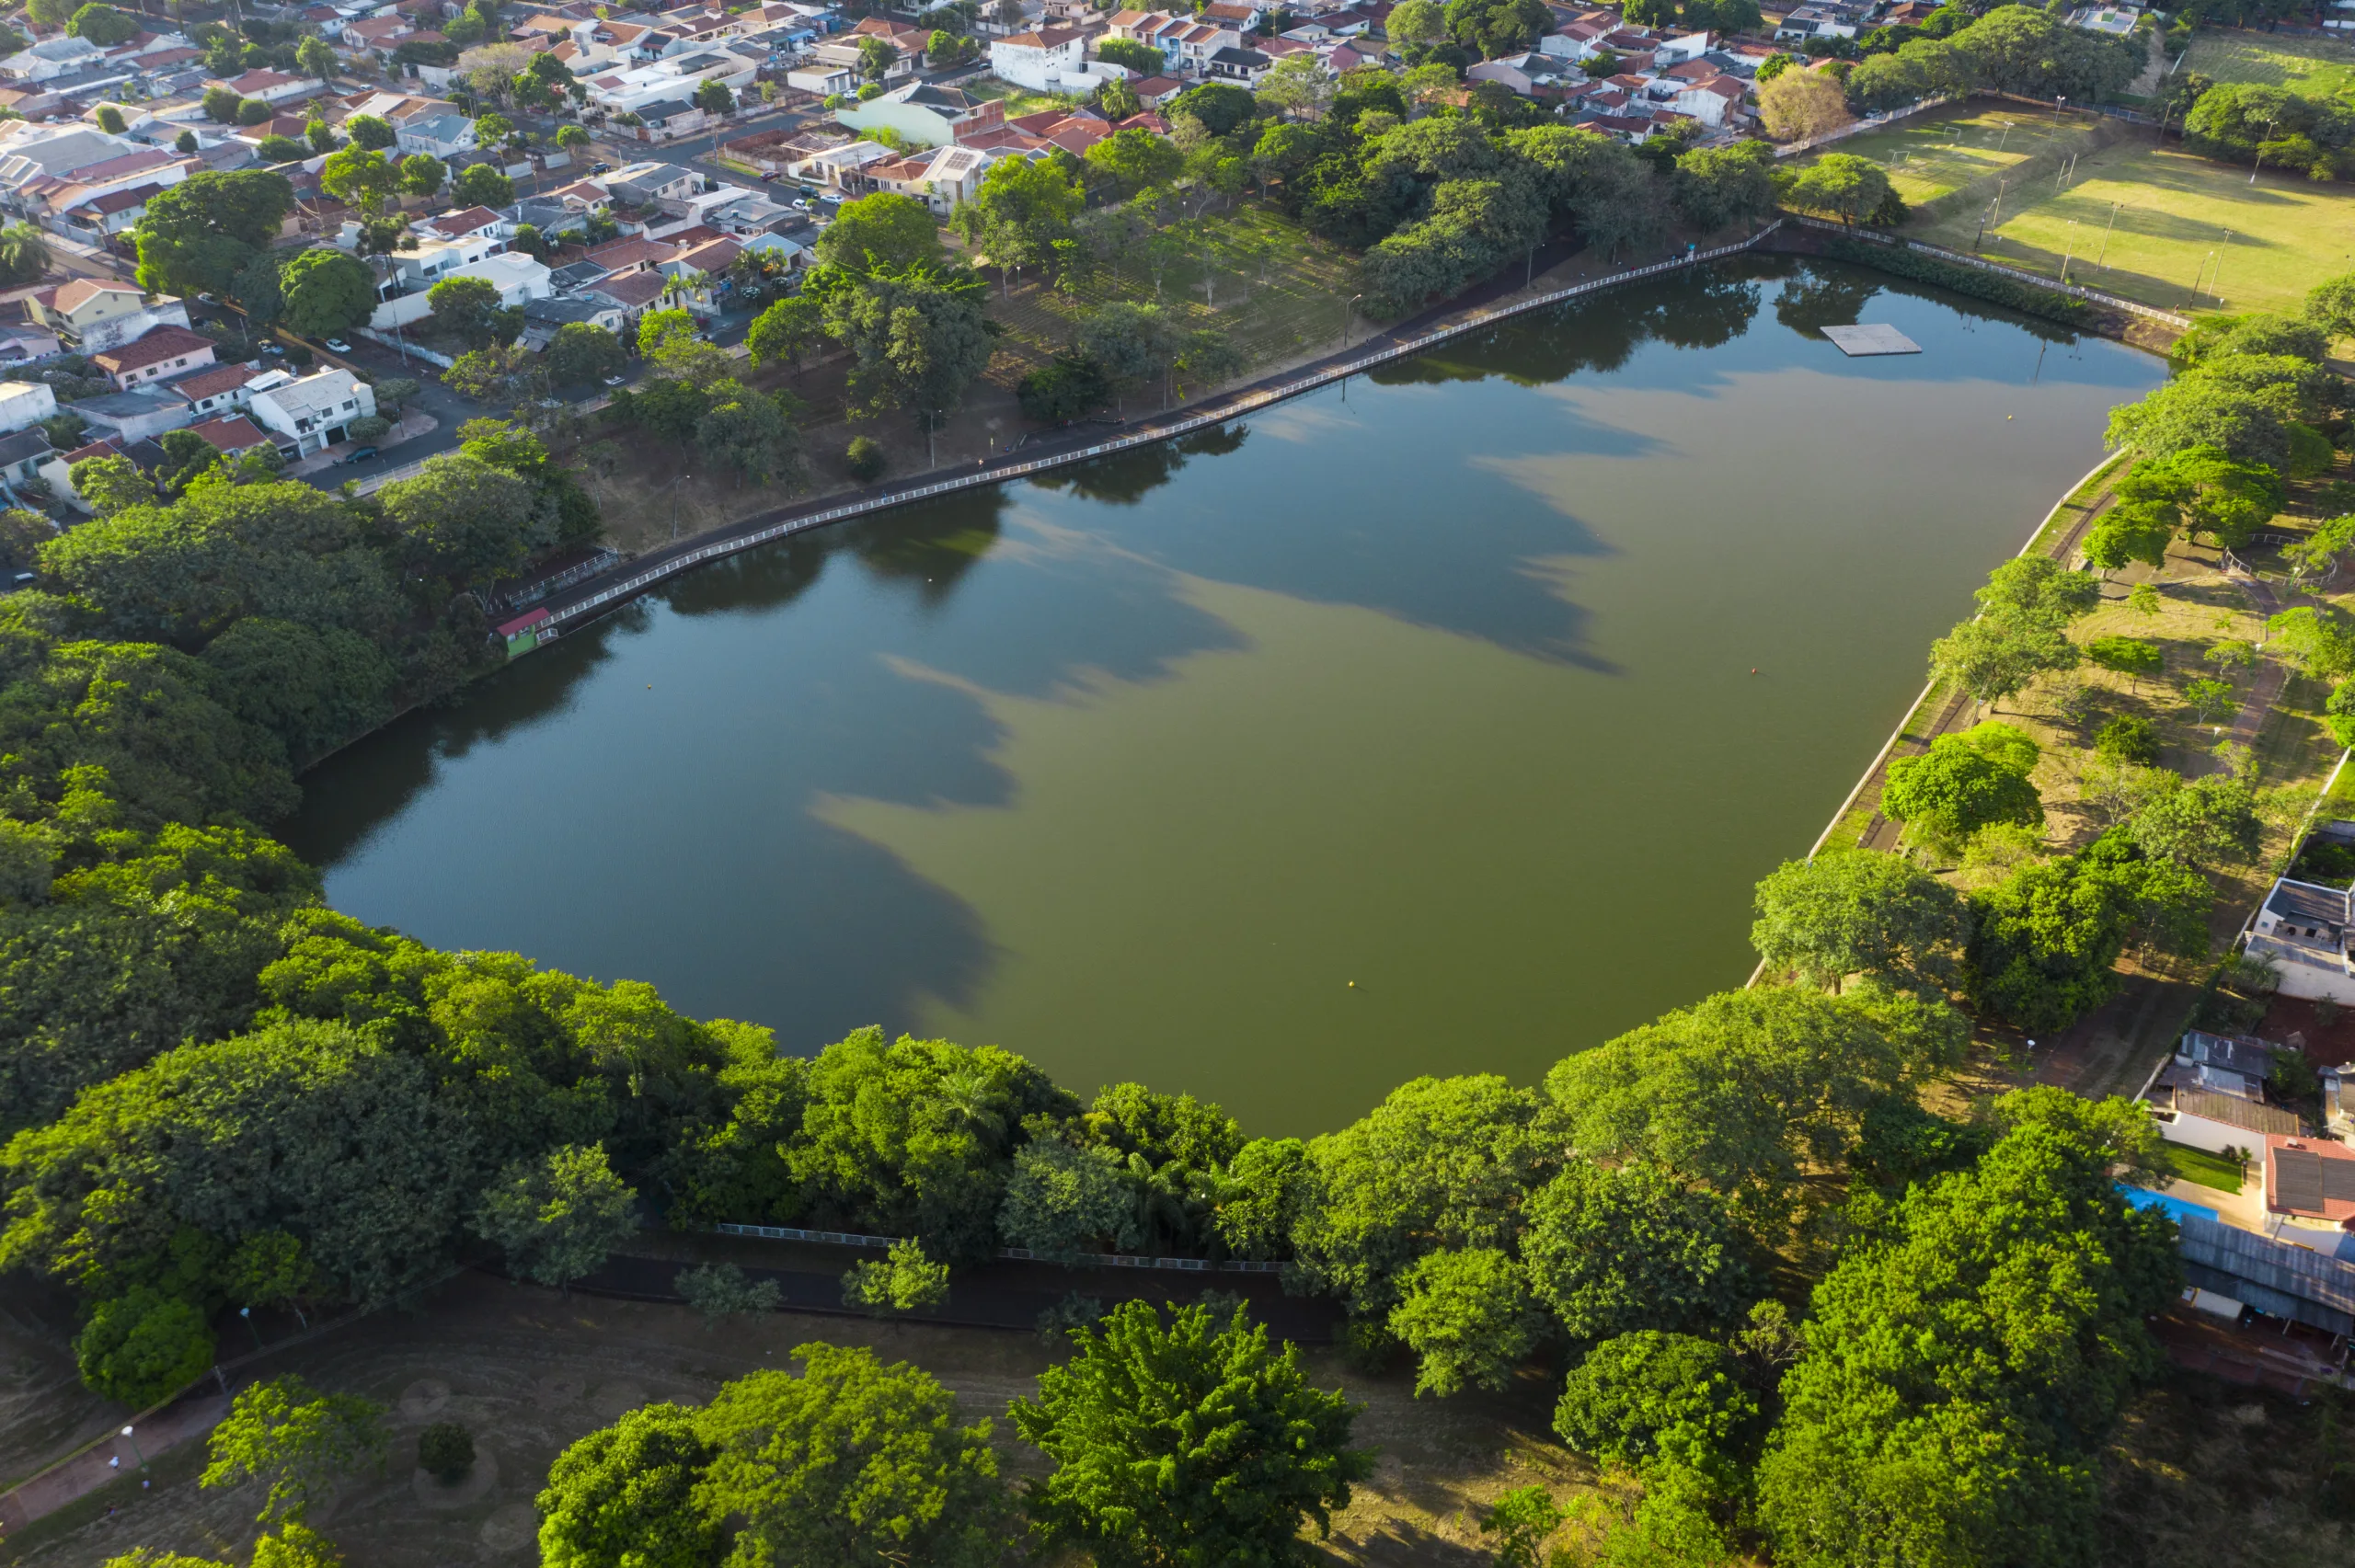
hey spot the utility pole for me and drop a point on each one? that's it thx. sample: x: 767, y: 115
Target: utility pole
x: 2101, y: 262
x: 2220, y: 268
x: 2067, y: 251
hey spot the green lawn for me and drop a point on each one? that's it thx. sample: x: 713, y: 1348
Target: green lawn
x: 2315, y: 68
x: 2203, y: 1169
x: 1020, y: 101
x: 2254, y: 246
x: 1939, y: 152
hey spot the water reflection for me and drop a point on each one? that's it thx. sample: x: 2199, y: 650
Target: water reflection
x: 1438, y: 681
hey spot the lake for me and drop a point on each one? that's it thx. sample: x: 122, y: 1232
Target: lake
x: 1436, y: 724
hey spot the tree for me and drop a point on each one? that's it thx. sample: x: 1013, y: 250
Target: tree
x: 2129, y: 657
x: 719, y: 1290
x: 1300, y: 85
x: 1849, y: 188
x: 1441, y: 1162
x: 496, y: 374
x: 483, y: 186
x: 557, y: 1219
x: 849, y: 1463
x: 298, y: 1440
x: 1060, y: 1200
x: 255, y: 111
x: 1645, y: 1395
x: 103, y: 25
x: 1860, y: 912
x: 423, y: 174
x: 875, y: 57
x: 2200, y: 825
x: 905, y: 1281
x: 2319, y: 640
x: 282, y: 149
x: 370, y: 132
x: 1690, y: 1092
x: 326, y: 293
x: 314, y: 57
x: 143, y: 1346
x: 1494, y: 28
x: 1965, y: 1367
x: 1949, y: 793
x: 468, y: 310
x: 882, y: 233
x: 1612, y: 1250
x: 221, y: 106
x: 2044, y: 938
x: 789, y: 329
x: 673, y: 343
x: 583, y: 352
x: 1719, y: 186
x: 713, y: 98
x: 625, y: 1496
x: 2017, y: 49
x: 1417, y: 21
x: 1467, y: 1317
x: 1020, y: 212
x: 2129, y: 533
x: 110, y: 484
x: 1525, y: 1517
x: 918, y: 337
x: 1062, y: 390
x: 196, y: 236
x: 2037, y: 592
x: 1798, y: 106
x: 1141, y: 58
x: 748, y: 431
x: 294, y: 1545
x: 1129, y: 345
x: 1189, y: 1442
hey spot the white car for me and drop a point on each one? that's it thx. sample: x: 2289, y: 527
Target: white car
x: 340, y: 345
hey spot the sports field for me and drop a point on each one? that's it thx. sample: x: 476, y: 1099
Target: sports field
x: 2311, y: 67
x: 1940, y: 150
x: 2170, y: 218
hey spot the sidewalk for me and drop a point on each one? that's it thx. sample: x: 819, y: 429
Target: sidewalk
x: 153, y: 1434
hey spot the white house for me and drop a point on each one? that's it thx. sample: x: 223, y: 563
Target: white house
x: 313, y: 413
x: 24, y: 403
x: 270, y: 87
x: 51, y: 58
x: 2302, y: 928
x: 517, y: 277
x: 439, y: 135
x: 1049, y: 59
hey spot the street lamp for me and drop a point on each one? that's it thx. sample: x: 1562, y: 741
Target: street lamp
x: 134, y: 1449
x: 675, y: 505
x: 2260, y: 154
x: 248, y: 1313
x: 2101, y: 262
x: 1349, y: 317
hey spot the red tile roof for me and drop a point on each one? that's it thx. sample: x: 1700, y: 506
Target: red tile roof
x: 164, y: 343
x: 232, y: 435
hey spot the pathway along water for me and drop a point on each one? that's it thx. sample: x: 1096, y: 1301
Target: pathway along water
x: 1438, y: 684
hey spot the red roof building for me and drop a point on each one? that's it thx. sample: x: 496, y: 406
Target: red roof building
x: 167, y: 350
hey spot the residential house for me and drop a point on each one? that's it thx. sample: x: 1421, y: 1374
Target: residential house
x: 2302, y: 928
x: 91, y: 316
x: 1246, y: 66
x: 517, y: 277
x: 2202, y: 1119
x: 1049, y: 59
x: 911, y: 42
x: 1806, y: 22
x: 837, y: 168
x: 1521, y: 73
x: 637, y: 89
x: 58, y: 469
x: 129, y: 417
x: 836, y: 67
x: 52, y: 58
x: 232, y: 437
x: 631, y: 293
x: 313, y: 413
x: 543, y: 319
x: 166, y: 351
x: 923, y: 114
x: 270, y: 87
x: 1156, y: 92
x: 2287, y: 1278
x: 1716, y: 103
x: 438, y: 135
x: 101, y: 218
x: 644, y: 184
x: 22, y: 344
x: 2311, y: 1179
x: 46, y: 196
x: 220, y: 390
x: 22, y: 456
x: 24, y: 404
x: 2108, y: 20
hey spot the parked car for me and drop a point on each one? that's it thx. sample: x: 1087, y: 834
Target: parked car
x: 357, y: 455
x: 616, y: 380
x: 272, y: 349
x: 340, y: 345
x: 601, y: 168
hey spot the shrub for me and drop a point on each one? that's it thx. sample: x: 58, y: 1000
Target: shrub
x: 143, y: 1345
x: 445, y: 1450
x: 865, y: 459
x: 368, y: 427
x: 2127, y: 738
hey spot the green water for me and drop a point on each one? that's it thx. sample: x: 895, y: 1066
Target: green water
x: 1441, y: 685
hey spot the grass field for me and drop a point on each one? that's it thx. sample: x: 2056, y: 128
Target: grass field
x: 2177, y: 217
x: 1937, y: 153
x: 2315, y: 68
x: 2202, y: 1169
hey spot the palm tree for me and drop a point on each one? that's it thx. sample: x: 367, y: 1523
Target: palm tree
x: 24, y: 253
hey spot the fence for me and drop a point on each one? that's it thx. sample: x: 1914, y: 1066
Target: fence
x: 1249, y: 403
x: 1870, y: 122
x: 1017, y: 1254
x: 2078, y: 290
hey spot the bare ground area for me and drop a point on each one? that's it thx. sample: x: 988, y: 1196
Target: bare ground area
x: 529, y: 1372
